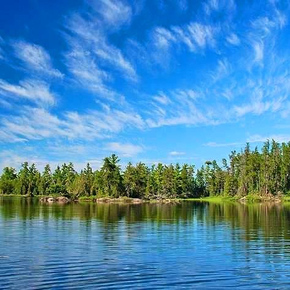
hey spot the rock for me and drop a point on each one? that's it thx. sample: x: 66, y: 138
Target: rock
x: 50, y: 200
x: 62, y: 199
x: 103, y: 200
x: 137, y: 200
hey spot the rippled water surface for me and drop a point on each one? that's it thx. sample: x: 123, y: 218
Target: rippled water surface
x: 189, y: 245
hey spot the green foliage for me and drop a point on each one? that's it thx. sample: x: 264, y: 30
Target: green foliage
x: 249, y: 174
x: 8, y: 181
x: 135, y: 180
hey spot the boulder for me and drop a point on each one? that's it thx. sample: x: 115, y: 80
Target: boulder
x: 62, y: 199
x: 50, y: 200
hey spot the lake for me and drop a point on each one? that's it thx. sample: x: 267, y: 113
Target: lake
x: 159, y: 246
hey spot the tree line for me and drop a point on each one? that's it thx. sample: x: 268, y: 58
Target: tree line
x: 263, y: 172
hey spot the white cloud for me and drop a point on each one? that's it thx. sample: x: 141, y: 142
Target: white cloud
x: 194, y: 36
x: 91, y: 59
x: 265, y: 25
x: 258, y: 47
x: 202, y: 34
x: 233, y: 39
x: 176, y: 153
x: 277, y: 137
x: 212, y: 6
x: 32, y: 124
x: 125, y: 149
x: 113, y: 12
x: 91, y: 37
x: 163, y: 37
x: 264, y: 96
x: 35, y: 58
x: 83, y: 67
x: 16, y: 157
x: 252, y: 139
x: 179, y: 108
x: 38, y: 124
x: 33, y: 90
x: 162, y: 99
x: 223, y: 70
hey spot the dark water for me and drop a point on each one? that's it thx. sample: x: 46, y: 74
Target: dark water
x: 189, y: 245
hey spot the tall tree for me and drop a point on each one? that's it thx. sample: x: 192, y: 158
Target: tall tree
x: 111, y: 176
x: 7, y: 181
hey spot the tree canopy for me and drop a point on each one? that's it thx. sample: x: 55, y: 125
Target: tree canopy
x: 250, y: 171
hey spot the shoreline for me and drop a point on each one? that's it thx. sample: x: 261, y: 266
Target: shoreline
x: 128, y: 200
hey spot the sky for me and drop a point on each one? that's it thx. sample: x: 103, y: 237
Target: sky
x: 152, y: 81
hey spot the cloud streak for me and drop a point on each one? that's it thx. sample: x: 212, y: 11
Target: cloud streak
x: 35, y: 91
x: 125, y: 149
x: 36, y: 58
x: 39, y: 124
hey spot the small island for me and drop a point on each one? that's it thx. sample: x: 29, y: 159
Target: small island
x: 247, y: 176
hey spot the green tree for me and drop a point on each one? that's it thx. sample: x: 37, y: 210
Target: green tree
x: 46, y: 181
x: 23, y: 180
x: 7, y: 180
x: 111, y: 177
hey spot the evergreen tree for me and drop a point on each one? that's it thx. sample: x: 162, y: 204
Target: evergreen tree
x: 46, y: 181
x: 111, y: 177
x: 7, y: 180
x: 266, y: 172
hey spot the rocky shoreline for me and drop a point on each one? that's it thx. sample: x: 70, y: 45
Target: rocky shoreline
x: 60, y: 199
x: 262, y: 198
x: 127, y: 200
x: 64, y: 200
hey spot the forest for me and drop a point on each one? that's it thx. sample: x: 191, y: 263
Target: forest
x: 262, y: 172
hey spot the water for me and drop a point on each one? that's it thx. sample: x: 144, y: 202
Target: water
x: 109, y: 246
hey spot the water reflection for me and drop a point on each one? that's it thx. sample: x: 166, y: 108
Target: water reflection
x: 270, y: 218
x: 187, y: 245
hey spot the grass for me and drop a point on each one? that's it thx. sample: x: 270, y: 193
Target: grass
x: 286, y: 198
x: 86, y: 198
x: 212, y: 199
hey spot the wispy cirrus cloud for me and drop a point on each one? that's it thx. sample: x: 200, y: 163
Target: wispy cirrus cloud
x: 176, y: 153
x: 32, y: 123
x: 258, y: 48
x: 194, y: 36
x: 91, y: 59
x: 92, y: 37
x: 124, y: 149
x: 114, y: 13
x: 215, y: 6
x: 257, y: 138
x: 36, y: 58
x: 179, y: 107
x: 233, y: 39
x: 277, y: 137
x: 222, y: 71
x: 35, y: 91
x: 82, y: 65
x: 15, y: 157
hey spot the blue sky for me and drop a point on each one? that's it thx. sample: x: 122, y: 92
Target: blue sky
x: 153, y: 81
